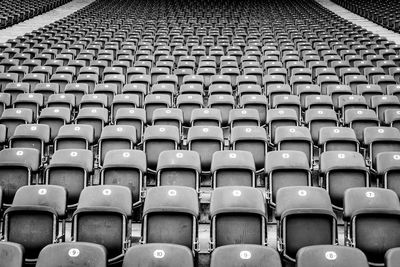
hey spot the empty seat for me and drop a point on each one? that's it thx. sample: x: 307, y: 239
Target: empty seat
x: 245, y: 255
x: 95, y: 117
x: 316, y: 119
x: 244, y: 117
x: 103, y: 217
x: 337, y: 139
x: 280, y: 117
x: 257, y: 102
x: 12, y: 254
x: 388, y: 168
x: 285, y: 168
x: 179, y: 167
x: 123, y: 101
x: 125, y: 167
x: 392, y: 257
x: 170, y: 216
x: 294, y: 138
x: 372, y: 208
x: 14, y: 117
x: 55, y: 118
x: 35, y: 136
x: 224, y: 103
x: 116, y: 137
x: 33, y: 102
x: 74, y: 136
x: 305, y: 218
x: 187, y: 103
x: 232, y: 168
x: 238, y: 216
x: 18, y: 167
x: 341, y: 170
x: 72, y: 169
x: 326, y: 255
x: 205, y: 140
x: 153, y: 102
x: 135, y: 117
x: 159, y: 254
x: 206, y: 117
x: 33, y: 218
x: 168, y: 116
x: 359, y: 119
x: 73, y: 254
x: 93, y: 101
x: 252, y: 139
x: 157, y: 139
x: 380, y: 139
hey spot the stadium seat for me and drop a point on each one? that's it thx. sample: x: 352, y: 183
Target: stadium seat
x: 74, y: 136
x: 159, y: 254
x: 170, y: 216
x: 245, y: 255
x: 371, y: 208
x: 280, y: 117
x: 18, y: 167
x: 359, y: 119
x: 341, y: 170
x: 392, y: 257
x: 35, y: 136
x: 238, y: 216
x: 206, y: 117
x: 326, y: 255
x: 72, y: 169
x: 387, y: 168
x: 179, y: 167
x: 35, y: 213
x: 315, y: 119
x: 54, y: 118
x: 15, y: 116
x: 157, y: 139
x: 125, y: 167
x: 73, y: 253
x: 34, y: 102
x: 285, y: 168
x: 205, y: 140
x: 300, y: 206
x: 294, y: 138
x: 337, y: 139
x: 115, y: 137
x: 95, y: 117
x: 12, y: 254
x: 380, y: 139
x: 103, y: 217
x: 252, y: 139
x: 232, y: 168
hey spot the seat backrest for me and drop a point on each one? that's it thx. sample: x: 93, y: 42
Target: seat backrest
x: 12, y: 254
x: 73, y: 254
x: 234, y: 210
x: 245, y: 255
x: 158, y: 254
x: 325, y: 255
x: 173, y: 210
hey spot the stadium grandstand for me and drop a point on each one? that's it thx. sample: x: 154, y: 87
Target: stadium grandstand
x: 208, y: 133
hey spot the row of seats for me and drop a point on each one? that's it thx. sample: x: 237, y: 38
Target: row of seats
x: 383, y: 13
x: 13, y: 12
x: 382, y: 106
x: 94, y: 255
x: 343, y: 161
x: 238, y: 216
